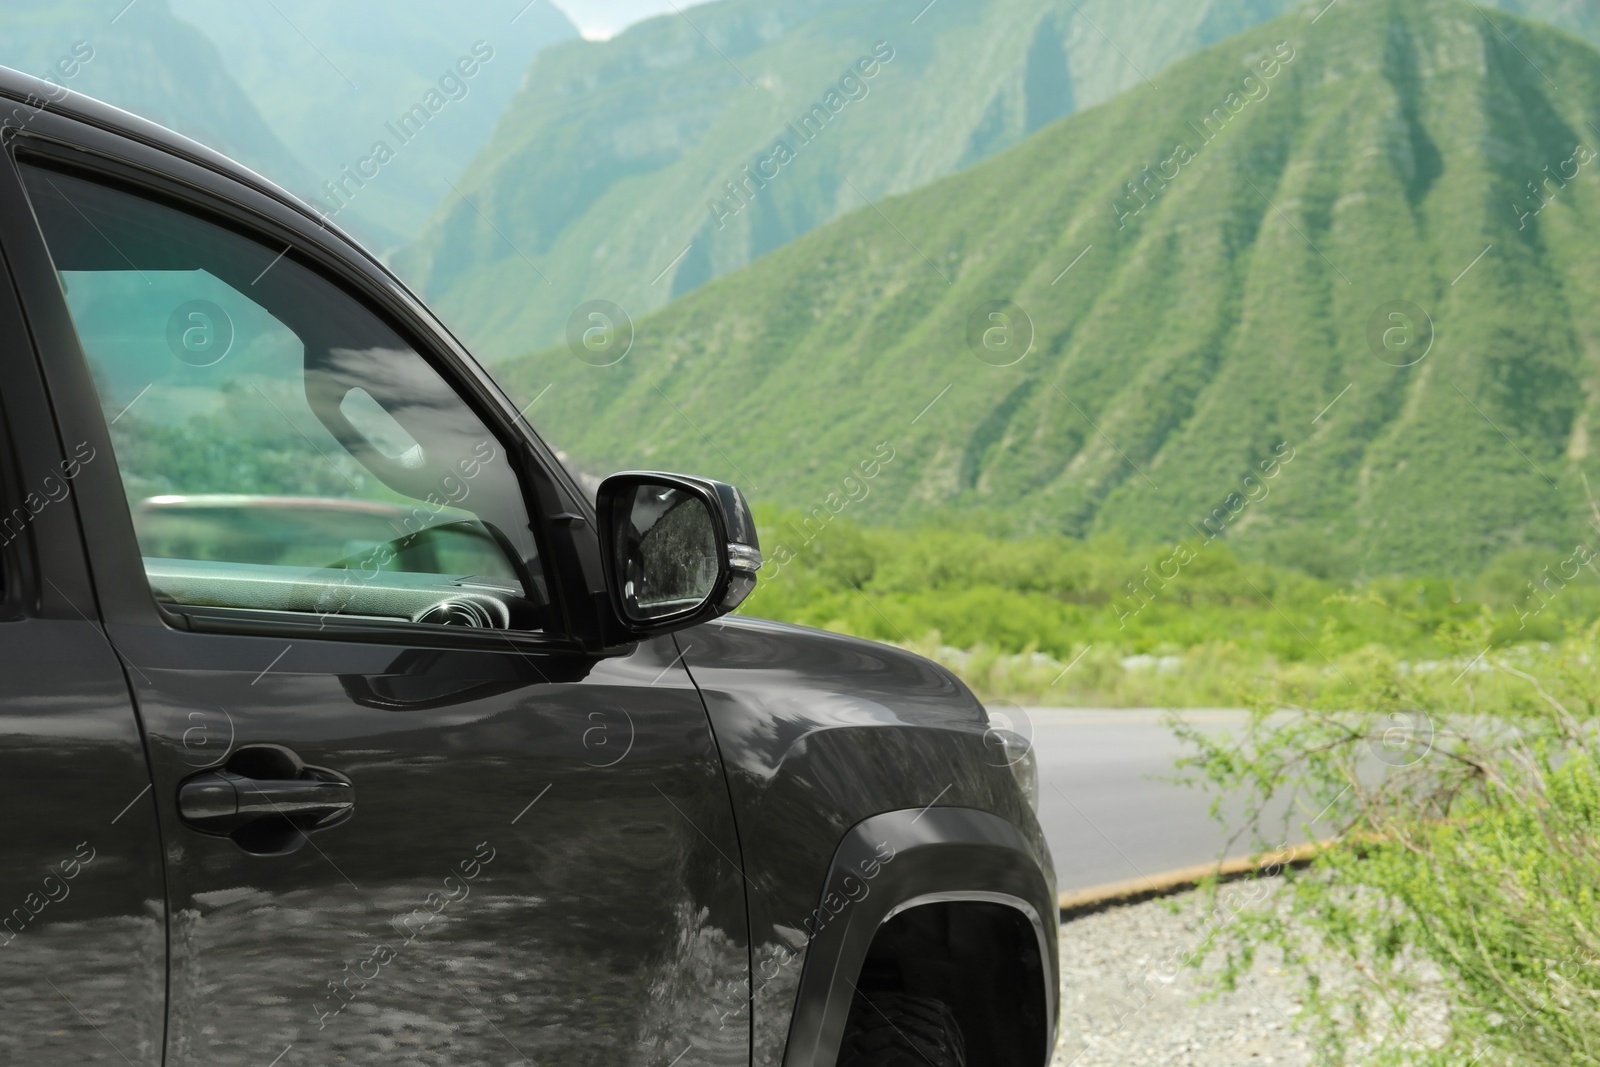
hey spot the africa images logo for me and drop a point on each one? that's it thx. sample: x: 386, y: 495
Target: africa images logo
x: 741, y: 191
x: 452, y: 86
x: 1151, y: 183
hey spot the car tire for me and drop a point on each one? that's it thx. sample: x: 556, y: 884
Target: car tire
x: 901, y: 1030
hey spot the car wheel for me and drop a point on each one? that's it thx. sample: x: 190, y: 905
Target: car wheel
x: 901, y: 1030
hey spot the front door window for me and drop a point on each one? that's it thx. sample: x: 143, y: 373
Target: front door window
x: 282, y: 448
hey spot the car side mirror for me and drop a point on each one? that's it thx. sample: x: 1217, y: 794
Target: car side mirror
x: 677, y: 550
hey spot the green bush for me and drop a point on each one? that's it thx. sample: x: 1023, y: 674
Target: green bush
x: 1468, y: 846
x: 1011, y: 615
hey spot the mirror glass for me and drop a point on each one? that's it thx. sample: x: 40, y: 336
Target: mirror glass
x: 667, y: 552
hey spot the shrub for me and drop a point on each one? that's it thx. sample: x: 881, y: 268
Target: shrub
x: 1027, y: 608
x: 1468, y: 843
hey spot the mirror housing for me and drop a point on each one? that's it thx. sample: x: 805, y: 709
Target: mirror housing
x: 677, y: 551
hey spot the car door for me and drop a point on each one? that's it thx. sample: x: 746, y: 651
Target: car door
x: 82, y: 910
x: 406, y: 817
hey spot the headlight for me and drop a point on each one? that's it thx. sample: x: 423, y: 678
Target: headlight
x: 1009, y: 748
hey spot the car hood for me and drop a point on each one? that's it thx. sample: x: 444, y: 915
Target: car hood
x: 794, y: 680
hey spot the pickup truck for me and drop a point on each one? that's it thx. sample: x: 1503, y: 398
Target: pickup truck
x: 340, y: 725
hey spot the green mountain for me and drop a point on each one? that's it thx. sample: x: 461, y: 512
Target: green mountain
x: 336, y: 79
x: 609, y: 175
x: 1575, y: 16
x: 1346, y: 259
x: 144, y: 60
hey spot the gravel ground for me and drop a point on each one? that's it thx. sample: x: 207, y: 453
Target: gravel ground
x: 1126, y: 1002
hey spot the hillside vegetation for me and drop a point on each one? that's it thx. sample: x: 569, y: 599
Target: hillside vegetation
x: 1198, y: 282
x: 615, y: 160
x: 608, y: 177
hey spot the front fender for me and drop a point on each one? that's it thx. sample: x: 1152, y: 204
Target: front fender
x: 818, y: 734
x: 934, y: 855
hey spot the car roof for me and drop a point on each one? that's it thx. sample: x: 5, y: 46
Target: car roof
x: 32, y: 92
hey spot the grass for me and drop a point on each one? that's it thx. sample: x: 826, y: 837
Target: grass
x: 1074, y: 622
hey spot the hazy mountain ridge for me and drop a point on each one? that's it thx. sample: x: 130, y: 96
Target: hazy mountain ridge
x: 147, y: 61
x: 1241, y: 310
x: 602, y: 180
x: 333, y: 79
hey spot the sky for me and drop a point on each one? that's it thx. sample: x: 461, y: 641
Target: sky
x: 600, y: 19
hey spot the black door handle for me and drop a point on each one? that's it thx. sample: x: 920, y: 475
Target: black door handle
x: 220, y: 801
x: 266, y: 800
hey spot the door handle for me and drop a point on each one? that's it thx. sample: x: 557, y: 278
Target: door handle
x: 266, y: 800
x: 220, y: 802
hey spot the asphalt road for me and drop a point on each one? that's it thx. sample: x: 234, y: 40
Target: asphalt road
x: 1105, y: 807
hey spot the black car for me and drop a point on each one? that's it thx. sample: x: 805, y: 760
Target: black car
x: 315, y: 795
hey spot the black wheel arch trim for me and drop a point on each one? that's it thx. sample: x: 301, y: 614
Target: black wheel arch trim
x: 939, y: 855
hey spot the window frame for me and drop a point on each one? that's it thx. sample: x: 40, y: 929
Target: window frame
x: 45, y: 554
x: 151, y: 172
